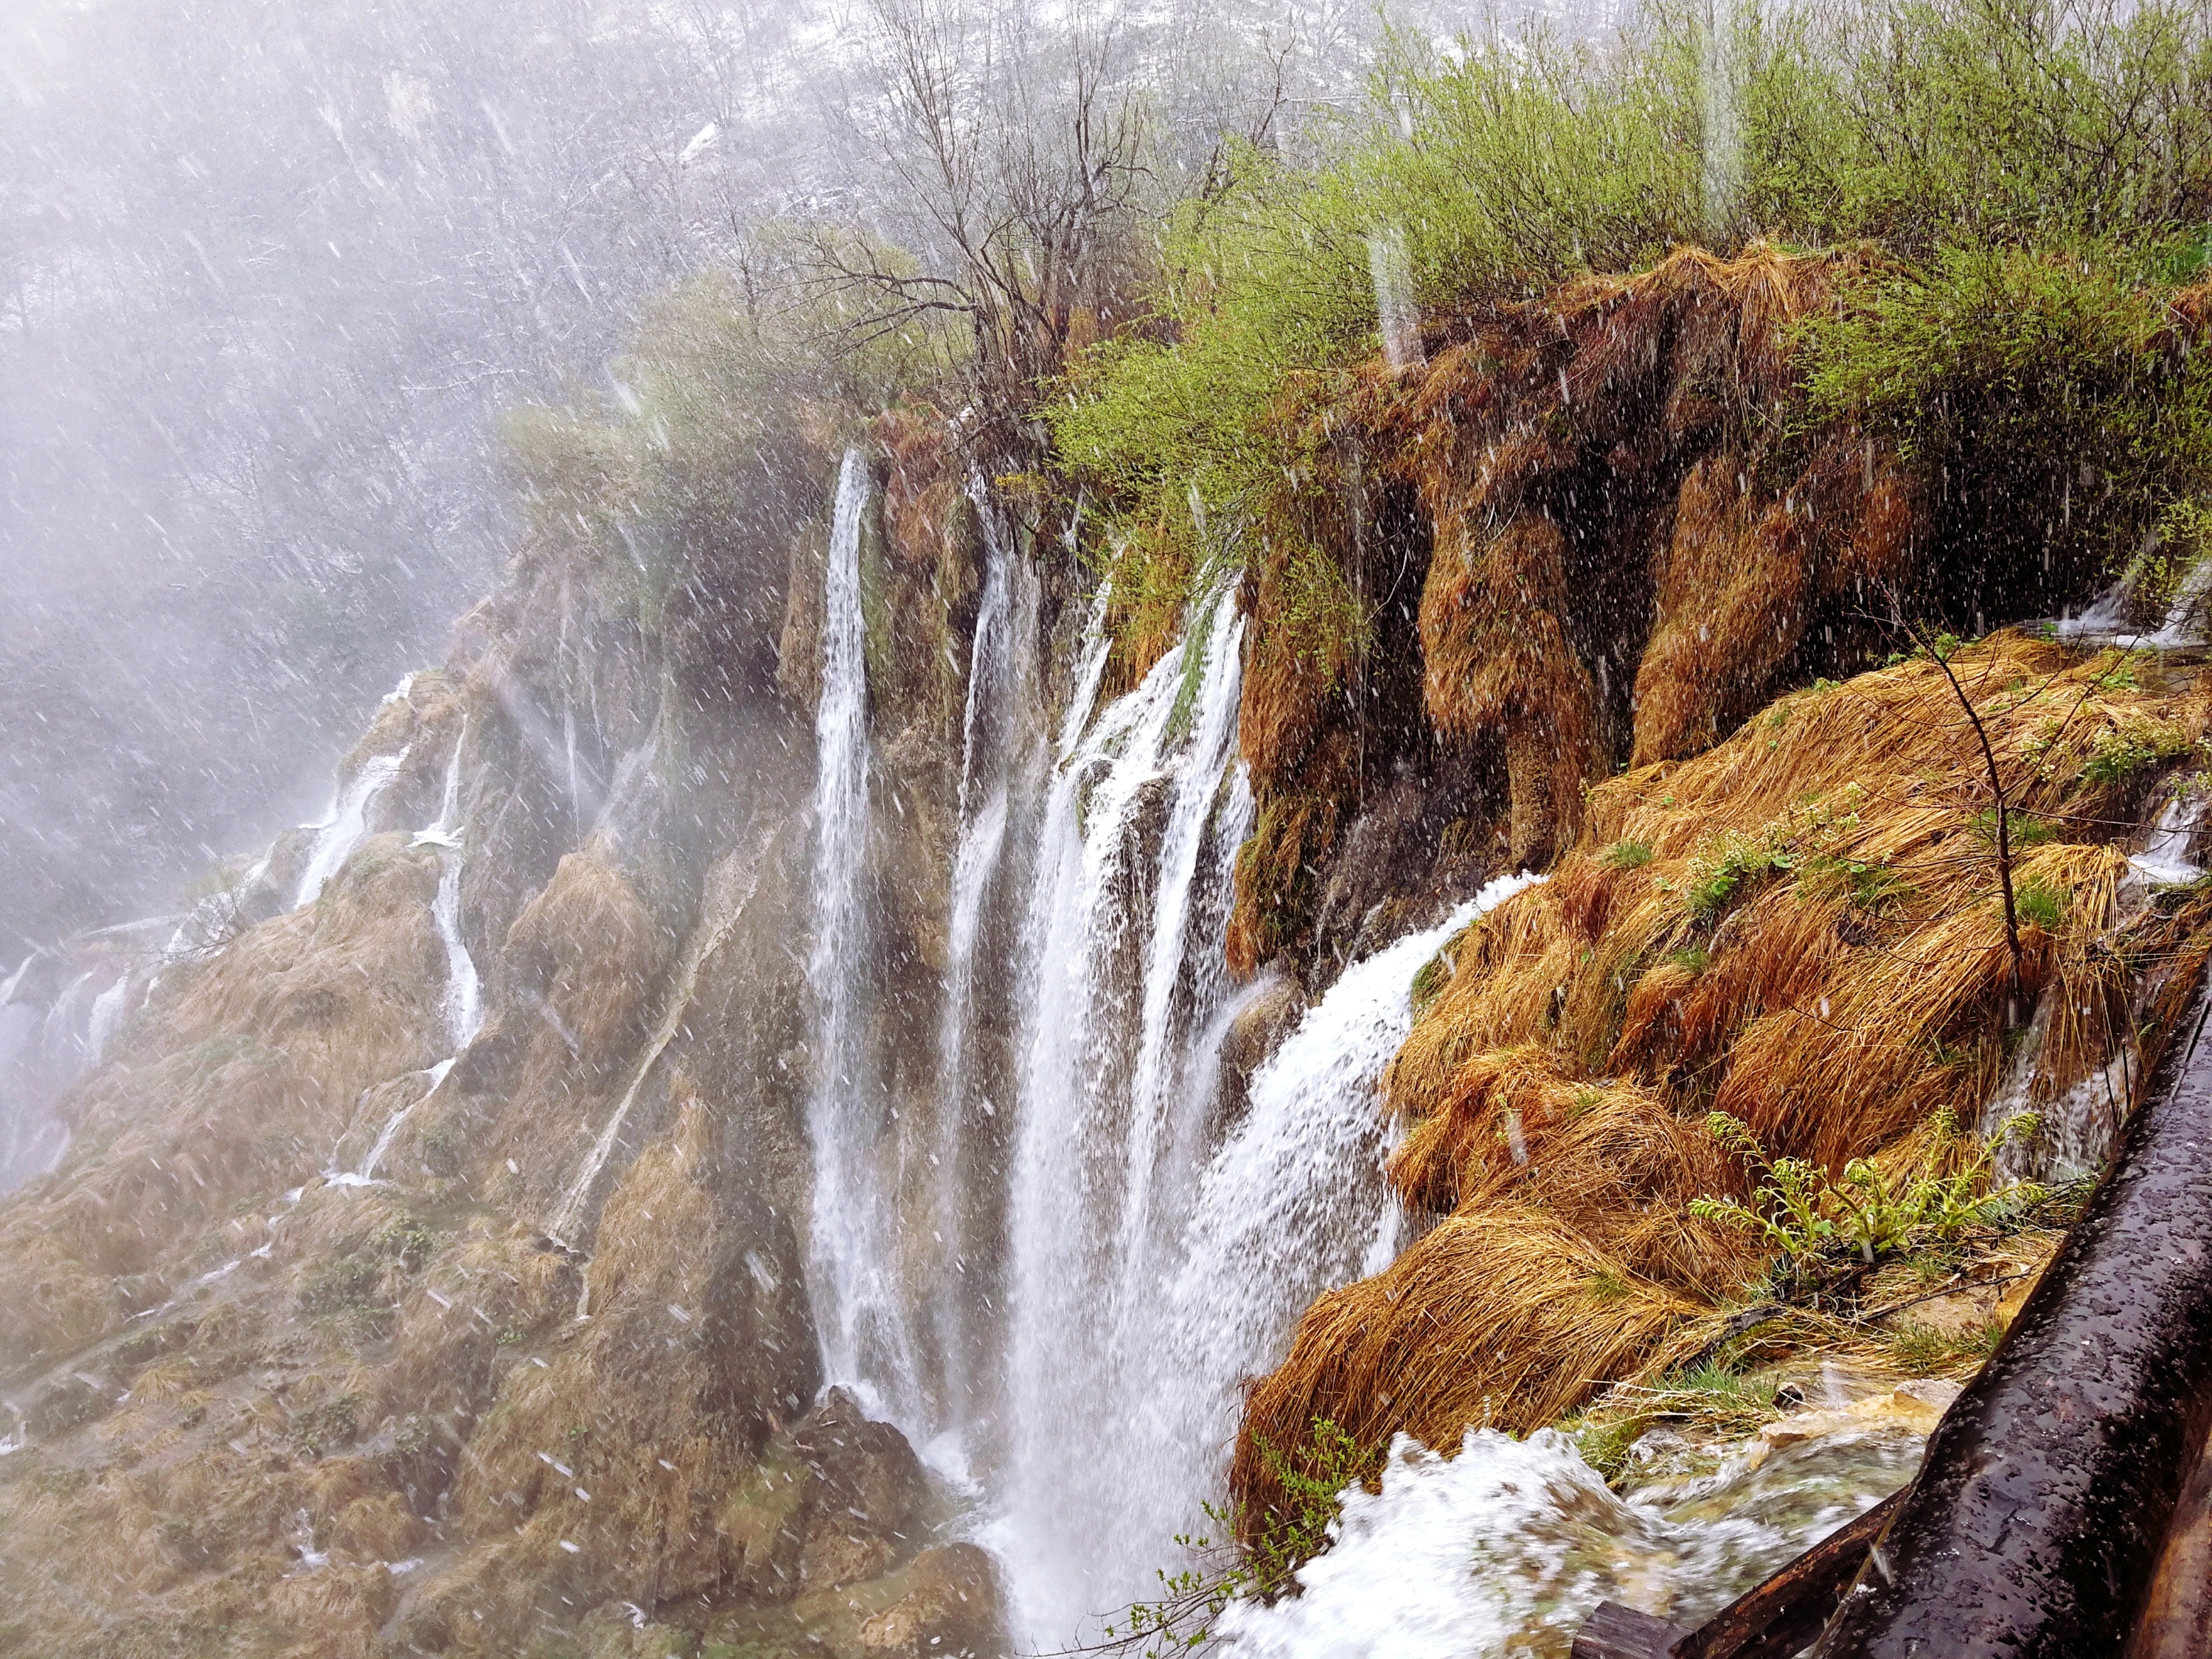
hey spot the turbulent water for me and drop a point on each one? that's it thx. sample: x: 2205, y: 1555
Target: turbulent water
x: 1505, y: 1548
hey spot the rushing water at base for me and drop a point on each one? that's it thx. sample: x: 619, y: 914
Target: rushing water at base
x: 1506, y: 1547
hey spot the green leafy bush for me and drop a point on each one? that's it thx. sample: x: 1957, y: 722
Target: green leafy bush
x: 2036, y: 176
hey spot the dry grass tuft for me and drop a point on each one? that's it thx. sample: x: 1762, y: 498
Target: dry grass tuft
x: 1624, y: 543
x: 1500, y: 1317
x: 1609, y: 1159
x: 1802, y: 928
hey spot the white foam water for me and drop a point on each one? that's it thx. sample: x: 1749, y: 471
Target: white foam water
x: 1507, y: 1547
x: 343, y: 832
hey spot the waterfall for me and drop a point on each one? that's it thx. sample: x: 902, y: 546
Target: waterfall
x: 1124, y: 944
x: 366, y: 1175
x: 1391, y: 270
x: 853, y: 1246
x: 463, y: 999
x: 1167, y: 1116
x: 106, y: 1015
x: 1092, y: 1258
x: 446, y: 832
x: 1001, y: 750
x: 464, y: 987
x: 463, y: 1002
x: 347, y: 827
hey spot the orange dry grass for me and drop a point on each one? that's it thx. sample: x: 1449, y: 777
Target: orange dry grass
x: 1620, y: 447
x: 1501, y: 1316
x: 1611, y: 1161
x: 586, y: 945
x: 1519, y: 437
x: 1743, y: 575
x: 1830, y: 1018
x: 1850, y: 979
x: 921, y: 484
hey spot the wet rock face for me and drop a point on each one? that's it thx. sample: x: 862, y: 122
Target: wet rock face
x: 834, y: 1501
x: 1270, y: 1011
x: 868, y: 1485
x: 952, y: 1606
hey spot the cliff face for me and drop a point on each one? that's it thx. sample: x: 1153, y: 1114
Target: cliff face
x: 453, y: 1247
x: 429, y: 1264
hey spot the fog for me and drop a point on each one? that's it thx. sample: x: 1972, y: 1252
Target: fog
x: 270, y: 272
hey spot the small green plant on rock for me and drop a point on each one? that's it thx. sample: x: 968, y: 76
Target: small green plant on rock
x: 1626, y: 855
x: 1184, y: 1617
x: 2040, y: 903
x: 1733, y: 863
x: 2123, y: 750
x: 1820, y: 1224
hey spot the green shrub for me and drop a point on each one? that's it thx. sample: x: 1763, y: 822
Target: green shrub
x: 1869, y: 884
x: 1717, y: 873
x: 2037, y: 901
x: 2122, y: 751
x: 348, y: 1283
x: 1192, y: 1601
x: 2036, y: 173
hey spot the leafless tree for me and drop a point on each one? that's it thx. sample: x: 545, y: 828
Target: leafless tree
x: 1013, y: 158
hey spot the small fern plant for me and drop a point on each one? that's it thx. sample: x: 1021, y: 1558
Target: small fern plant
x: 1814, y: 1221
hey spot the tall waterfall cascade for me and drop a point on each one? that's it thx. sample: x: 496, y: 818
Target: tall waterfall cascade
x: 859, y: 1314
x: 1117, y: 1237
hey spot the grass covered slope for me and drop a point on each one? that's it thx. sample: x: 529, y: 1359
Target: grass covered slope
x: 1602, y: 493
x: 1802, y: 929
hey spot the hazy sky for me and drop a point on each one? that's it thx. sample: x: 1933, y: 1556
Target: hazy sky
x: 268, y: 271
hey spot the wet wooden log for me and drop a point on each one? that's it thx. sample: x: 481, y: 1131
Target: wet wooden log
x: 1614, y: 1631
x: 1777, y: 1618
x: 2050, y: 1487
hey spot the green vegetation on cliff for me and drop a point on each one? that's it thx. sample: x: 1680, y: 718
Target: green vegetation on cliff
x: 2036, y: 176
